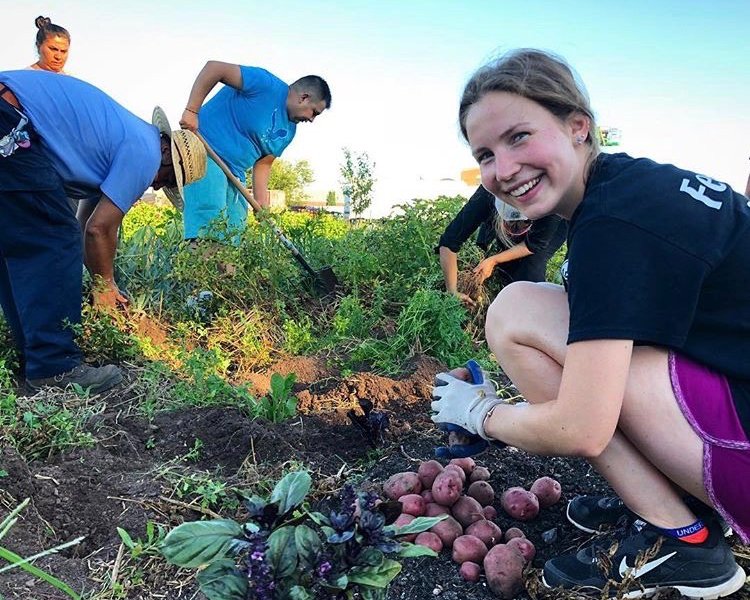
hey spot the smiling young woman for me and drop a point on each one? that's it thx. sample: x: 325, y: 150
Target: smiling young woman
x: 640, y: 363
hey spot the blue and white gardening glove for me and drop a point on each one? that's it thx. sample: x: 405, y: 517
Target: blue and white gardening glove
x: 461, y: 408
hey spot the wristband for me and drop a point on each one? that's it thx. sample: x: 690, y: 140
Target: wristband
x: 195, y: 112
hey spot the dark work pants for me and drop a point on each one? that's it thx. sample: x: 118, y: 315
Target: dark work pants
x: 40, y: 257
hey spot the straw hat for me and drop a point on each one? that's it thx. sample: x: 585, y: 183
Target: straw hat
x: 188, y: 156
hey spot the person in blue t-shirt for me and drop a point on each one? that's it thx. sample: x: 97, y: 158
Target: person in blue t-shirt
x: 55, y: 131
x: 249, y: 123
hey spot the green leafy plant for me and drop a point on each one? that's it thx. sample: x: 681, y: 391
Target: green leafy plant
x: 17, y: 561
x: 286, y: 551
x: 149, y: 546
x: 280, y: 404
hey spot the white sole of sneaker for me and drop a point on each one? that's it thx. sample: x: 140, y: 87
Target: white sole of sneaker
x: 576, y: 524
x: 730, y: 586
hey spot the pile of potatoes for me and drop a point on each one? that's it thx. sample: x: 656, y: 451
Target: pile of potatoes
x: 461, y: 491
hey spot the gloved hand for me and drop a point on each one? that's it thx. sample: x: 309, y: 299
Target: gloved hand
x: 458, y: 416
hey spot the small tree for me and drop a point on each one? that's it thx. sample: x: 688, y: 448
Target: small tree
x: 331, y: 198
x: 290, y: 178
x: 357, y: 179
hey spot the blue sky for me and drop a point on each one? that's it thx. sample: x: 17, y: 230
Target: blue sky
x: 671, y: 75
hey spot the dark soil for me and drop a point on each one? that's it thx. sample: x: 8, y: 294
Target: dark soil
x: 133, y: 473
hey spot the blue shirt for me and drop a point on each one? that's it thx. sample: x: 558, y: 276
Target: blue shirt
x: 245, y: 125
x: 90, y: 139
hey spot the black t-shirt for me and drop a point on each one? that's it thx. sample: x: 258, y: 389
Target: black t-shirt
x: 544, y: 237
x: 661, y: 256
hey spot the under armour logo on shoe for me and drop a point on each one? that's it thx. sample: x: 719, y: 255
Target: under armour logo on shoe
x: 635, y: 573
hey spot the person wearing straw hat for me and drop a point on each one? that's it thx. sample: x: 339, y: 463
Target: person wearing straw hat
x: 249, y: 122
x: 61, y: 130
x: 523, y: 247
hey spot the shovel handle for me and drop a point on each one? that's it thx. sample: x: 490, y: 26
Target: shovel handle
x: 230, y: 176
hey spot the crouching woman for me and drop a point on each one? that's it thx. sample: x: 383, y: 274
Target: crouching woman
x: 641, y: 366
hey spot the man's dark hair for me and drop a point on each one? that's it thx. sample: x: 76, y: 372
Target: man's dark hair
x: 315, y: 86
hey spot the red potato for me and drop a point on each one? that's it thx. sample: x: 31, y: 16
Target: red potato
x: 467, y: 510
x: 461, y: 473
x: 427, y: 495
x: 470, y: 571
x: 404, y: 519
x: 447, y: 530
x: 468, y: 547
x: 547, y: 490
x: 490, y: 513
x: 482, y: 492
x: 513, y: 532
x: 487, y: 531
x: 433, y: 509
x: 447, y: 488
x: 412, y: 504
x: 467, y: 464
x: 427, y: 472
x: 479, y: 474
x: 430, y: 540
x: 503, y: 567
x: 401, y: 484
x: 525, y: 547
x: 520, y: 503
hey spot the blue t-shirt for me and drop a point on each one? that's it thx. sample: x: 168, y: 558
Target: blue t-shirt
x: 245, y: 125
x: 91, y: 140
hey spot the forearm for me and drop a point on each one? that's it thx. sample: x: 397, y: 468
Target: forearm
x: 535, y: 428
x: 261, y: 175
x: 513, y: 253
x: 449, y: 265
x: 100, y: 246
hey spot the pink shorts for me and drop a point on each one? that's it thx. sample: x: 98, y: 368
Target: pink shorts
x: 705, y: 399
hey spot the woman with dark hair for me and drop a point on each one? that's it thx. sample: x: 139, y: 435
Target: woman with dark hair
x: 52, y: 44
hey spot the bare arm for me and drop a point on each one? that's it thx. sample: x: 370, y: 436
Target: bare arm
x: 582, y: 419
x: 747, y: 187
x: 484, y: 269
x: 100, y: 245
x: 261, y: 174
x: 449, y: 265
x: 212, y: 73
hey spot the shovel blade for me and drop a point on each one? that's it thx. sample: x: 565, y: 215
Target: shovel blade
x: 325, y: 281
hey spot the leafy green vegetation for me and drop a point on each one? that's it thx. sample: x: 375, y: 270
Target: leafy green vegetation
x: 284, y: 550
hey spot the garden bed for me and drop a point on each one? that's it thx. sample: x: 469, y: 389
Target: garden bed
x: 183, y: 465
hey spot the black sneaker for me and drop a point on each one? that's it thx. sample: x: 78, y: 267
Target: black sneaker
x: 638, y: 560
x: 95, y: 379
x: 593, y: 514
x: 596, y: 513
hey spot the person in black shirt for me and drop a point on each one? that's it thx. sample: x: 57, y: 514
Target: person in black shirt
x: 524, y: 248
x: 642, y: 366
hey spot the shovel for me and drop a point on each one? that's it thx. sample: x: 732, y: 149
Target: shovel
x: 324, y: 280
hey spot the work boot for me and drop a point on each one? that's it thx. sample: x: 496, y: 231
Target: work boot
x: 95, y: 379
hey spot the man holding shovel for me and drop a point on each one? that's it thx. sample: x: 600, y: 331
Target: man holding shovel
x: 249, y: 123
x: 56, y: 131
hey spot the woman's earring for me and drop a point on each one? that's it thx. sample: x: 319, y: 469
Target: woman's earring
x: 579, y: 139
